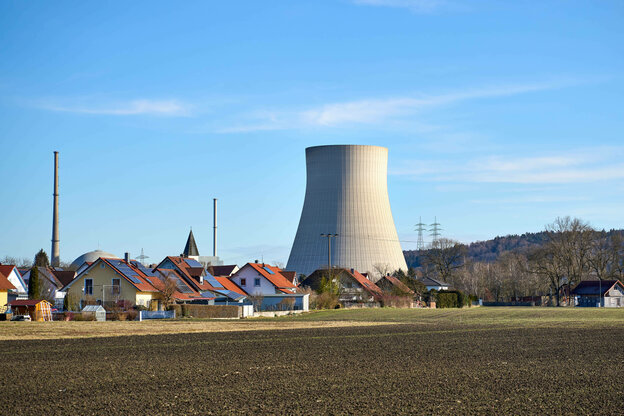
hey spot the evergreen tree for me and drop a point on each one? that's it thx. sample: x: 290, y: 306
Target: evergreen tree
x: 34, y: 284
x: 41, y: 259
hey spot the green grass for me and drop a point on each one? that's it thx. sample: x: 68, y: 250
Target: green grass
x: 482, y: 316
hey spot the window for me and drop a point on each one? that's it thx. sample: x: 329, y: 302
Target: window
x: 88, y: 288
x: 243, y: 282
x: 257, y: 281
x: 116, y: 289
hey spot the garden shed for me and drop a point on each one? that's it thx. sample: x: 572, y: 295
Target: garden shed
x: 39, y: 310
x: 97, y: 311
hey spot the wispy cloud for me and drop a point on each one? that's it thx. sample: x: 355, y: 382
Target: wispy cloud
x: 371, y: 111
x: 122, y: 108
x: 581, y: 166
x: 416, y: 6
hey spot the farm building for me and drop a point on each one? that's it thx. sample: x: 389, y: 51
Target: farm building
x: 354, y: 287
x: 259, y: 279
x: 97, y: 311
x: 596, y: 293
x: 38, y: 310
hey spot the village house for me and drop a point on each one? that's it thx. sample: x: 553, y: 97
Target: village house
x: 53, y: 281
x: 353, y: 287
x: 596, y: 293
x: 260, y: 279
x: 434, y: 284
x: 5, y: 287
x: 394, y: 286
x: 13, y: 282
x: 109, y: 281
x: 196, y: 276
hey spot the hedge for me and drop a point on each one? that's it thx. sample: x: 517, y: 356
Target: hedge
x: 205, y: 311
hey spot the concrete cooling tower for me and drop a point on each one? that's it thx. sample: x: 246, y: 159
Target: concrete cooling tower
x: 346, y: 194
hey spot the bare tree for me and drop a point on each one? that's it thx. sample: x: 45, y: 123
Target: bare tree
x: 380, y: 270
x: 167, y: 289
x: 444, y: 257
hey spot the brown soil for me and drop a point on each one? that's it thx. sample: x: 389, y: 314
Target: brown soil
x: 384, y: 369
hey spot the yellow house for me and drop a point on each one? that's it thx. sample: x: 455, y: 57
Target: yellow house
x: 108, y: 281
x: 5, y: 286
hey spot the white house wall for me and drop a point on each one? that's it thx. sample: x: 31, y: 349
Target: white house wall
x: 346, y: 194
x: 248, y: 273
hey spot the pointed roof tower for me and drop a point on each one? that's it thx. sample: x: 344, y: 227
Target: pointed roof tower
x: 191, y: 246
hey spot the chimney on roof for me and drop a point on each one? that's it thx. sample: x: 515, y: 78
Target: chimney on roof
x: 56, y: 255
x: 256, y: 261
x: 127, y: 257
x: 352, y: 270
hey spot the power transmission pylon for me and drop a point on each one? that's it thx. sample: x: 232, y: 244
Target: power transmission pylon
x: 142, y: 257
x: 435, y: 230
x: 420, y: 227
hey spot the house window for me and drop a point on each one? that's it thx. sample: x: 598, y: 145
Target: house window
x: 243, y: 282
x: 116, y: 289
x: 88, y: 288
x: 257, y: 282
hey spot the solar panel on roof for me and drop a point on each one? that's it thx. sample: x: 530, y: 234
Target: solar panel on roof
x: 126, y: 271
x: 212, y: 281
x: 193, y: 263
x: 230, y: 294
x: 145, y: 270
x: 268, y: 270
x: 183, y: 288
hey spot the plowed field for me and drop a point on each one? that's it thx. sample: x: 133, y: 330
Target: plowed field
x: 445, y: 368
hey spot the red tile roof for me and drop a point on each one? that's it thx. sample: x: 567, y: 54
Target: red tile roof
x: 230, y: 285
x: 192, y: 275
x: 276, y: 278
x: 26, y: 302
x: 144, y: 284
x: 5, y: 284
x: 64, y: 276
x: 398, y: 284
x: 290, y: 276
x: 369, y: 286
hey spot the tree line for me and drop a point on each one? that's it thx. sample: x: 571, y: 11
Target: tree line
x: 549, y: 264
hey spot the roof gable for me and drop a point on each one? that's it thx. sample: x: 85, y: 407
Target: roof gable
x: 272, y: 274
x: 595, y: 287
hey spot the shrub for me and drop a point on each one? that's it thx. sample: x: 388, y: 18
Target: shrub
x: 327, y: 300
x: 396, y: 301
x: 446, y: 300
x: 131, y: 315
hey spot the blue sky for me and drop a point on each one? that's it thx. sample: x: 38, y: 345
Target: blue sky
x: 499, y: 116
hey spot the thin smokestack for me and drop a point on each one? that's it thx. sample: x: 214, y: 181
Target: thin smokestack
x: 214, y: 234
x: 56, y: 254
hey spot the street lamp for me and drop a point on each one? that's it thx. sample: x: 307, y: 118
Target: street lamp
x: 329, y: 237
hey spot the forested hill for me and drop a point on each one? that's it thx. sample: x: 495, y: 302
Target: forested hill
x: 489, y: 250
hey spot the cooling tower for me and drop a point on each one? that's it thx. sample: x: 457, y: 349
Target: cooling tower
x: 346, y: 194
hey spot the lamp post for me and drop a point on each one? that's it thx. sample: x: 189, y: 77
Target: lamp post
x: 329, y: 237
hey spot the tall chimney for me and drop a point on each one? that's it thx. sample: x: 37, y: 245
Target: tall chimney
x: 56, y: 255
x: 214, y: 234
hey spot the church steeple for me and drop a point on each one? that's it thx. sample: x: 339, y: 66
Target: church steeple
x: 191, y: 247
